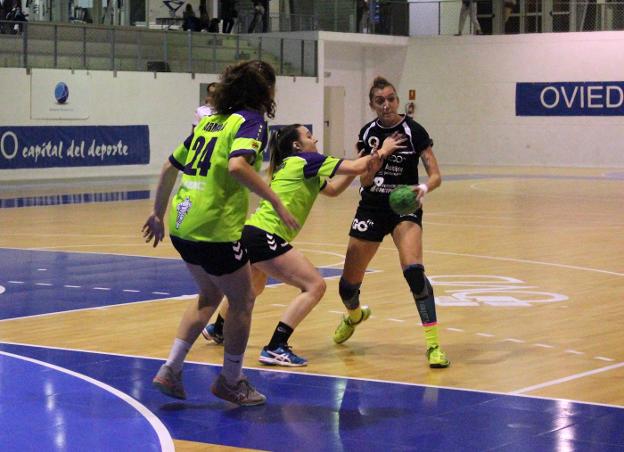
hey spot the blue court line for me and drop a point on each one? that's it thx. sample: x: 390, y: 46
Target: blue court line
x: 43, y: 282
x: 308, y: 412
x: 73, y: 198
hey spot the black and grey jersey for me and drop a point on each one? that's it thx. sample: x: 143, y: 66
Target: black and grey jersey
x: 401, y: 168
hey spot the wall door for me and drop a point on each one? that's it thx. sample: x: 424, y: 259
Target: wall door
x: 333, y: 121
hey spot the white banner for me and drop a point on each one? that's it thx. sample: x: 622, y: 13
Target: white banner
x: 59, y: 95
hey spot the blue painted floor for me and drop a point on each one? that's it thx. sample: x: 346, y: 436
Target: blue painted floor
x: 51, y: 281
x: 317, y: 413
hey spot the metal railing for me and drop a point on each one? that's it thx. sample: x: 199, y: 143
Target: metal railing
x: 97, y: 47
x: 524, y: 16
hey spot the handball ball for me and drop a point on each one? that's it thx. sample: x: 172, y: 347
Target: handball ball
x: 61, y: 92
x: 403, y: 200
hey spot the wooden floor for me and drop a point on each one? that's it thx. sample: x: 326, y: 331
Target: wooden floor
x: 527, y: 266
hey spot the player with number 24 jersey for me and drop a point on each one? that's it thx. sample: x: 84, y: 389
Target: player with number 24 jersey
x: 203, y: 159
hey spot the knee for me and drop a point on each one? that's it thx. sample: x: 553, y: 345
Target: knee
x: 349, y: 293
x: 318, y: 289
x: 315, y: 288
x: 415, y: 276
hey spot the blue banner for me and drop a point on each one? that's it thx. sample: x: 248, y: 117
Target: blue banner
x: 73, y: 146
x: 570, y: 99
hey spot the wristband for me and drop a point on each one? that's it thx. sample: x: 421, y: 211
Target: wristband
x: 423, y: 188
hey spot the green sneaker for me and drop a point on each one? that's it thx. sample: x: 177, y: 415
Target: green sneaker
x: 437, y: 358
x: 347, y: 326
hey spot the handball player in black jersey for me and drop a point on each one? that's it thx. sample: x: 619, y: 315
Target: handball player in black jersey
x: 374, y: 219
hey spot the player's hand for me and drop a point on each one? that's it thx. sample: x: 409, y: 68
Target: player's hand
x: 391, y: 144
x: 153, y: 229
x: 420, y: 190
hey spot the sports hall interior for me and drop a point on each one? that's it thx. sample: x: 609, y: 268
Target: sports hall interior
x: 523, y: 245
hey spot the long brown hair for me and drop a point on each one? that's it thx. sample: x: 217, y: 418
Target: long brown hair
x: 281, y: 146
x: 249, y: 84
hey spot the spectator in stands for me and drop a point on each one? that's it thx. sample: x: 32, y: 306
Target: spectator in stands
x: 508, y: 9
x: 191, y: 22
x: 361, y: 15
x: 228, y: 14
x: 2, y: 14
x: 260, y: 12
x: 204, y: 18
x: 265, y: 15
x: 16, y: 15
x: 468, y: 7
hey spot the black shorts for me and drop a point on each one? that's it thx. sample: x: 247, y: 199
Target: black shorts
x: 262, y: 245
x: 373, y: 223
x: 216, y: 258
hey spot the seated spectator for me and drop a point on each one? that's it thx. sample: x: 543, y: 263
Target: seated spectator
x: 16, y: 15
x: 204, y: 18
x: 191, y: 22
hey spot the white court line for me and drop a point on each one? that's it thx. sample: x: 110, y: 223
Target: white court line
x: 528, y: 261
x: 50, y: 314
x: 289, y: 371
x: 495, y: 258
x: 566, y: 379
x: 164, y: 438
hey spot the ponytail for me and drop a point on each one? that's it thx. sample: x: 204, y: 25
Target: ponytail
x: 281, y: 146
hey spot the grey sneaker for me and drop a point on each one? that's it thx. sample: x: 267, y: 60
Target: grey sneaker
x: 242, y: 393
x: 169, y: 383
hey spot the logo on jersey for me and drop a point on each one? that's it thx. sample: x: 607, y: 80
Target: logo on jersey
x: 396, y: 158
x: 182, y: 209
x: 362, y: 226
x: 373, y: 142
x: 378, y: 181
x: 238, y: 249
x: 255, y: 145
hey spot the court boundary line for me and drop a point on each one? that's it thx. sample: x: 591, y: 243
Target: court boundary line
x: 497, y: 258
x: 568, y: 378
x: 152, y: 300
x: 261, y: 369
x: 163, y: 435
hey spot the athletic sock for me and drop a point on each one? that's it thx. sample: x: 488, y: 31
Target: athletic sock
x: 280, y: 336
x: 232, y: 368
x: 177, y: 355
x: 356, y: 315
x: 431, y: 335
